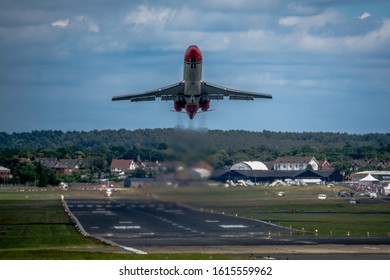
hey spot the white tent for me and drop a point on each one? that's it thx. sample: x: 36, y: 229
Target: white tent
x: 369, y: 178
x: 387, y: 190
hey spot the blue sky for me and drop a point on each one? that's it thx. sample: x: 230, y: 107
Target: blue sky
x: 326, y: 63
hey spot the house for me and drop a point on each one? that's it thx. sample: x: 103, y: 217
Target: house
x: 374, y: 164
x: 67, y: 166
x: 122, y: 165
x: 150, y: 166
x: 61, y: 166
x: 295, y: 163
x: 5, y: 173
x: 324, y: 165
x: 50, y: 163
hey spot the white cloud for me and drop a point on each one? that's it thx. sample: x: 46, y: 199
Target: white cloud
x: 62, y: 23
x: 144, y: 15
x: 375, y: 40
x: 84, y: 22
x: 365, y: 15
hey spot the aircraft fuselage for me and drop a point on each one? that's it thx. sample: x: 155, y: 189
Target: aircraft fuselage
x: 192, y: 76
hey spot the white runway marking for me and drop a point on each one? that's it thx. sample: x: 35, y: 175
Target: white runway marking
x: 233, y: 226
x: 212, y: 221
x: 104, y: 212
x: 127, y: 227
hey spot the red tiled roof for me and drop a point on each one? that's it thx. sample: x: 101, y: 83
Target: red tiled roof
x: 121, y: 163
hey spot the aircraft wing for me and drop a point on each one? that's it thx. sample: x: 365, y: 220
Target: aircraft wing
x: 165, y: 93
x: 215, y: 92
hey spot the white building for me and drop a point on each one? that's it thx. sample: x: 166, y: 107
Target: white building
x: 122, y: 165
x: 295, y: 163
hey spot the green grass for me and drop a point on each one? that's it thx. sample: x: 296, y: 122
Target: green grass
x: 51, y: 254
x: 37, y: 224
x: 33, y: 224
x: 339, y: 224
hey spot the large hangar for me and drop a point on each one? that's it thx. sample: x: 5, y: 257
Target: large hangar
x: 268, y: 176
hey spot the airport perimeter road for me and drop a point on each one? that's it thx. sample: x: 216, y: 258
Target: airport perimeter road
x: 140, y: 223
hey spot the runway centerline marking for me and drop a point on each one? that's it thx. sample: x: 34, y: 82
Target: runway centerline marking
x: 127, y: 227
x: 212, y: 221
x: 233, y: 226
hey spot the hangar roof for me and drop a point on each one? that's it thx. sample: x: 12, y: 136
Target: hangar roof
x: 249, y: 165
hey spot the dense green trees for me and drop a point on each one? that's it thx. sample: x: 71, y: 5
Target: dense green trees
x: 32, y: 173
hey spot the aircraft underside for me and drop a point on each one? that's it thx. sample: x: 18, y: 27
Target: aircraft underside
x: 191, y: 108
x: 192, y: 93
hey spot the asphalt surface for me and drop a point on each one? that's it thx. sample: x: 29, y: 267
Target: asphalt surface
x: 143, y: 223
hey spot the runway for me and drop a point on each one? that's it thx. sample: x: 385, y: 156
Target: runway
x: 149, y: 222
x: 152, y: 222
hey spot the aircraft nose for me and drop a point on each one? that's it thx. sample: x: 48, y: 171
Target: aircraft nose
x: 193, y: 53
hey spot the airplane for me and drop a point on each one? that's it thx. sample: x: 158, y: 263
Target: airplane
x: 192, y: 93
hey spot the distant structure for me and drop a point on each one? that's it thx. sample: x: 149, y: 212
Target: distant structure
x: 382, y: 175
x: 5, y: 173
x: 303, y: 169
x: 249, y: 165
x: 284, y: 164
x: 123, y: 166
x: 67, y: 166
x: 61, y: 166
x: 295, y: 163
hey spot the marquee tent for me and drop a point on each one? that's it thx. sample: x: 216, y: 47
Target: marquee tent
x: 369, y: 178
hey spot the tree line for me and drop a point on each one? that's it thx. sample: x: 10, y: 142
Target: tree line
x: 219, y: 148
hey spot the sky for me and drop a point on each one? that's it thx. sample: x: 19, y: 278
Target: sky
x: 326, y: 63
